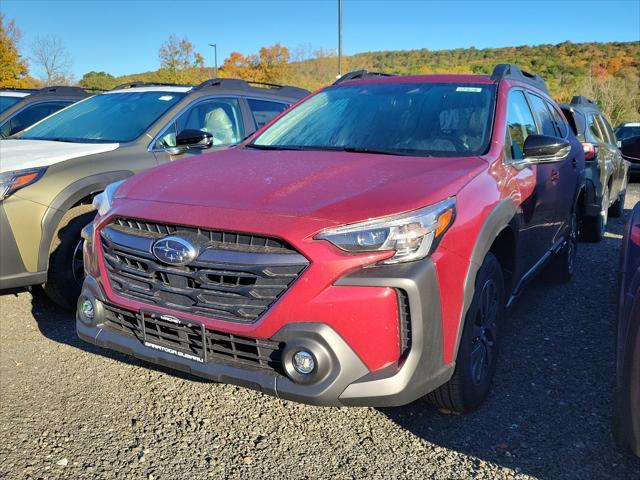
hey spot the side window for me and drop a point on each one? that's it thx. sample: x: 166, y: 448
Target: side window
x: 545, y: 122
x: 263, y: 110
x: 606, y: 130
x: 220, y: 117
x: 30, y: 115
x: 560, y: 122
x: 593, y: 128
x: 520, y: 123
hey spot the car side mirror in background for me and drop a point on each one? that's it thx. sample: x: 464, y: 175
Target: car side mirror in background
x: 630, y: 148
x: 545, y: 149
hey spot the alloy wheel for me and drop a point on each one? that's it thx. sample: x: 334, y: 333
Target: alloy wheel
x: 483, y: 349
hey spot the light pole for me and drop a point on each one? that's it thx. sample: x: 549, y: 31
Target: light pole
x: 215, y: 59
x: 339, y: 38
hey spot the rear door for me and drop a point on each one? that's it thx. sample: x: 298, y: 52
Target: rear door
x: 619, y: 175
x: 569, y: 169
x: 263, y: 111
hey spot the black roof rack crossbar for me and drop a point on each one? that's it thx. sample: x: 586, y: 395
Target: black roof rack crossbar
x: 250, y: 85
x: 147, y: 84
x: 513, y: 72
x: 361, y: 74
x: 582, y: 100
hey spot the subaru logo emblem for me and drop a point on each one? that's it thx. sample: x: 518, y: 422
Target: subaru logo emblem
x: 174, y: 250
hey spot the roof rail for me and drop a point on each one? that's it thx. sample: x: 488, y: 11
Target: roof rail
x: 361, y: 74
x: 124, y: 86
x: 582, y: 100
x: 513, y: 72
x: 16, y: 89
x: 252, y: 86
x: 64, y: 90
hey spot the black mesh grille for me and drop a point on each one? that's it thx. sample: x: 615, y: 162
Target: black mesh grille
x: 187, y: 338
x: 229, y: 239
x: 404, y: 315
x: 240, y: 287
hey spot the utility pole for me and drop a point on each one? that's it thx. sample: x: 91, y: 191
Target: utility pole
x: 215, y: 59
x: 339, y: 38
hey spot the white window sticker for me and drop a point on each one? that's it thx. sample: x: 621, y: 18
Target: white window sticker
x: 165, y: 98
x: 469, y: 89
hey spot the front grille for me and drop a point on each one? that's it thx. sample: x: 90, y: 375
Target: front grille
x: 187, y: 338
x: 236, y: 276
x: 404, y: 314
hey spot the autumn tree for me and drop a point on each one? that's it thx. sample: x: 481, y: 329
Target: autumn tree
x: 98, y: 80
x: 52, y: 60
x: 178, y: 59
x: 269, y: 65
x: 13, y: 68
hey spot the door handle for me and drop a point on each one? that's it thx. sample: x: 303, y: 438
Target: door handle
x: 574, y: 162
x: 555, y: 175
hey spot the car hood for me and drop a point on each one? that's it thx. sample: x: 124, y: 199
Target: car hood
x: 21, y: 154
x: 337, y: 186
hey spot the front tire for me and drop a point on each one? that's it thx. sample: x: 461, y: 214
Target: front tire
x: 66, y: 271
x: 478, y: 350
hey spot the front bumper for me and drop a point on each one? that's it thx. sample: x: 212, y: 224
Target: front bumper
x: 345, y: 378
x: 13, y: 272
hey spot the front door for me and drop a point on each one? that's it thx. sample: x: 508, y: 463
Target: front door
x: 537, y: 216
x: 221, y: 117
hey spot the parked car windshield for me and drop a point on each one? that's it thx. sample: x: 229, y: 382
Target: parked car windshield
x: 110, y: 117
x: 6, y: 102
x: 426, y: 119
x: 627, y: 131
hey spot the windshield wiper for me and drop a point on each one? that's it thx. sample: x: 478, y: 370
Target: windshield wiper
x: 275, y: 147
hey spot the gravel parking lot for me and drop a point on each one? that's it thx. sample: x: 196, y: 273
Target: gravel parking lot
x: 69, y: 410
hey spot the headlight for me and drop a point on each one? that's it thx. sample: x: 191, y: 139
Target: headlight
x: 12, y: 181
x: 413, y: 235
x: 102, y: 201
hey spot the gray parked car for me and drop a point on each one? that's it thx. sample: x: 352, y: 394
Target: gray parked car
x: 51, y: 172
x: 26, y: 107
x: 607, y: 172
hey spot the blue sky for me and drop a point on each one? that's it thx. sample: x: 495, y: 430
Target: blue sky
x: 123, y: 37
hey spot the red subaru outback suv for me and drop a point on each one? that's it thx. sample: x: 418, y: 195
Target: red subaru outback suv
x: 361, y: 249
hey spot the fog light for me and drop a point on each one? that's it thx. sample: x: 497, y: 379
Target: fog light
x: 303, y: 362
x: 87, y: 310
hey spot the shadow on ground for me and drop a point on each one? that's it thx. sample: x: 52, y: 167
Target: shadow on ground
x: 59, y: 325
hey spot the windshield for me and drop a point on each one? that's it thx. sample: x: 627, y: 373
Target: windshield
x: 627, y: 131
x: 428, y: 119
x: 110, y: 117
x: 6, y: 102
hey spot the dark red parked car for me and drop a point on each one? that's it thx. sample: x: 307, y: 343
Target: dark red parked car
x: 361, y: 249
x: 627, y: 414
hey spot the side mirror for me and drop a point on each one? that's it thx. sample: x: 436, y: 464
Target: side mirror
x: 545, y: 149
x: 194, y: 139
x: 630, y: 148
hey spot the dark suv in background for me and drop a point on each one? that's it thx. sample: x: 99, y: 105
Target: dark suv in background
x: 606, y: 170
x: 25, y: 110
